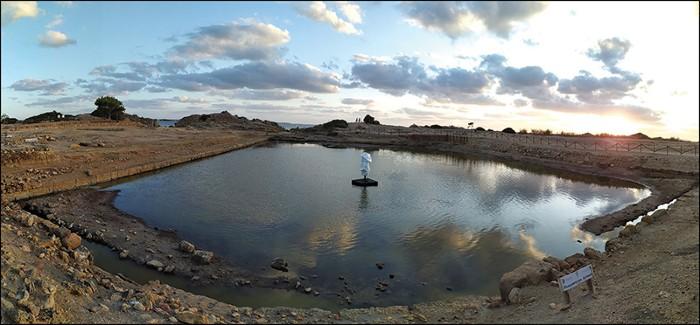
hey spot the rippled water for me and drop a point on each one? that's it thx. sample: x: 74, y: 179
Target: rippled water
x: 435, y: 220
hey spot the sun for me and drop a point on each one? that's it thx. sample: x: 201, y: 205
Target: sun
x: 603, y: 124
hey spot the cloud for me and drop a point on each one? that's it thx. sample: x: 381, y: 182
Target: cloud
x: 107, y: 86
x: 357, y: 101
x: 530, y: 81
x: 257, y: 75
x: 520, y: 102
x: 610, y: 51
x: 110, y: 71
x: 266, y: 94
x: 458, y: 18
x: 589, y: 89
x: 66, y: 101
x: 65, y: 3
x: 407, y: 75
x: 56, y: 21
x: 11, y: 11
x: 318, y: 11
x: 243, y: 40
x: 155, y: 89
x: 47, y: 87
x: 53, y: 38
x: 351, y: 11
x: 419, y: 112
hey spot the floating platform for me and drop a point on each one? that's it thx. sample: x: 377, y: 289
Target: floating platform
x: 364, y: 182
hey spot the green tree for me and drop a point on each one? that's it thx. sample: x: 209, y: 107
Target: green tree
x: 109, y: 107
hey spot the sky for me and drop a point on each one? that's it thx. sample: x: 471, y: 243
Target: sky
x: 615, y: 67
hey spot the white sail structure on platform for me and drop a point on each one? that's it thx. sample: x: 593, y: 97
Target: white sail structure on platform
x: 364, y: 163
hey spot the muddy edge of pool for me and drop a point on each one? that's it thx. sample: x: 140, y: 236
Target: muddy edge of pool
x: 90, y: 213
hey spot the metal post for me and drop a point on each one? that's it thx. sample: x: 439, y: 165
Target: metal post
x: 567, y: 298
x: 589, y: 283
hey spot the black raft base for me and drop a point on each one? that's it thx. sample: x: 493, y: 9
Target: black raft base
x: 364, y: 182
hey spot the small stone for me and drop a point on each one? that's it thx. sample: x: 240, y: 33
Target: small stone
x: 186, y: 246
x: 115, y: 297
x: 553, y: 306
x: 138, y: 306
x: 169, y: 269
x: 72, y: 241
x: 391, y: 276
x: 124, y: 254
x: 380, y: 265
x: 592, y: 253
x: 155, y: 264
x: 307, y: 290
x: 172, y: 319
x: 202, y: 256
x: 514, y: 295
x: 279, y: 264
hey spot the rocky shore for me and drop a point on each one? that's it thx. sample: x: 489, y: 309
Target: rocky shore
x: 645, y: 275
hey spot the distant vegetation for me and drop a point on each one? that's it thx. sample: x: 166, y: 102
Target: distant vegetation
x: 52, y: 116
x: 7, y: 120
x: 335, y: 124
x: 110, y: 108
x: 369, y: 119
x: 508, y: 130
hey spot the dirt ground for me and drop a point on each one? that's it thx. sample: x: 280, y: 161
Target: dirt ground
x: 649, y: 275
x: 44, y: 158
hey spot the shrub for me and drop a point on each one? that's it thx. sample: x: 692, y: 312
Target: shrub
x: 335, y: 124
x: 522, y: 131
x: 480, y: 128
x: 369, y: 119
x: 508, y: 130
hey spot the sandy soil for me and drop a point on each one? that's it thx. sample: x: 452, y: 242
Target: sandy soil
x: 649, y: 275
x: 79, y: 154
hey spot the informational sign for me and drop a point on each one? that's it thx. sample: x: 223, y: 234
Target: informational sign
x: 571, y: 280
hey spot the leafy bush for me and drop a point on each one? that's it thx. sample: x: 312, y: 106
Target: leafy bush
x: 508, y: 130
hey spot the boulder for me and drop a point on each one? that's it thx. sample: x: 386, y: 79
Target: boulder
x: 82, y: 255
x: 202, y: 256
x: 628, y: 231
x: 186, y: 246
x: 613, y: 244
x: 557, y: 263
x: 156, y: 264
x: 279, y: 264
x: 592, y: 253
x: 189, y: 317
x: 529, y: 273
x: 71, y: 241
x: 62, y: 232
x: 514, y: 296
x: 574, y: 259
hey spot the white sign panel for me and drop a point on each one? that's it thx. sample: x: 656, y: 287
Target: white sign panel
x: 571, y: 280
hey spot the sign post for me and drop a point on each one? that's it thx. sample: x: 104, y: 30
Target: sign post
x: 572, y: 280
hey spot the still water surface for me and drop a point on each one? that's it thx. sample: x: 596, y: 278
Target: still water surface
x: 436, y: 221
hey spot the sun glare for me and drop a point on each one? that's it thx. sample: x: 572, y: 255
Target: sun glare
x: 601, y: 124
